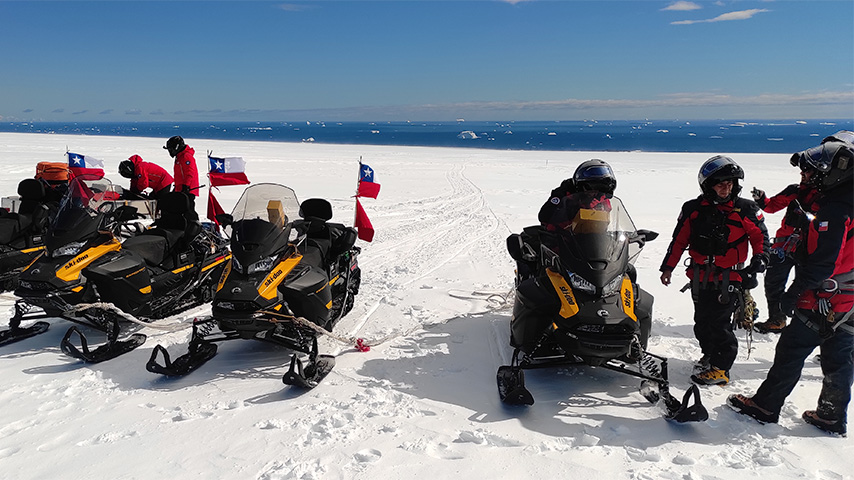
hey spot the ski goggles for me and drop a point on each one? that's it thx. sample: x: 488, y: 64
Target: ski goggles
x: 596, y: 171
x: 818, y: 158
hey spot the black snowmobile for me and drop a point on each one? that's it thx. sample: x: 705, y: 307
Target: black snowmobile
x: 168, y: 268
x: 87, y: 229
x: 22, y: 232
x: 287, y: 282
x: 578, y: 302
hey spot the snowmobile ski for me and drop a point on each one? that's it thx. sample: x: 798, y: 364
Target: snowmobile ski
x: 200, y: 352
x: 310, y: 376
x: 112, y: 349
x: 511, y: 386
x: 16, y: 333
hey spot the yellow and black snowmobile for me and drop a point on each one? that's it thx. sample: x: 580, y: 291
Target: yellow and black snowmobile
x: 287, y: 281
x: 578, y: 302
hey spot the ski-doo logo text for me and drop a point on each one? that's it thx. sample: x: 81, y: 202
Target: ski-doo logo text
x: 76, y: 261
x: 627, y: 298
x: 273, y: 276
x: 567, y: 294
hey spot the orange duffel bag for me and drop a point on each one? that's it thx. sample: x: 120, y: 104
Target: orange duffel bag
x: 52, y: 171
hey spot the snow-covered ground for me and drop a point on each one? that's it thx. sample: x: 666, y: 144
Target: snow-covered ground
x: 423, y: 402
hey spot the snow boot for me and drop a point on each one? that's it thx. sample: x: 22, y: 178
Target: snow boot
x: 772, y: 325
x: 703, y: 364
x: 837, y: 427
x: 746, y: 406
x: 711, y: 376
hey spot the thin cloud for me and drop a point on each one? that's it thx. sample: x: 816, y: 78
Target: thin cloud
x: 739, y: 15
x: 106, y: 112
x: 293, y: 7
x: 682, y: 6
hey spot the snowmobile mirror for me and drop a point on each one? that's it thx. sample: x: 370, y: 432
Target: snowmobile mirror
x: 514, y: 246
x: 648, y: 235
x: 550, y: 259
x: 224, y: 219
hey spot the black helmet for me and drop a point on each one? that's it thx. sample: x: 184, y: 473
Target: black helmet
x: 174, y: 145
x: 844, y: 136
x: 832, y: 161
x: 719, y: 169
x: 594, y: 175
x: 126, y: 169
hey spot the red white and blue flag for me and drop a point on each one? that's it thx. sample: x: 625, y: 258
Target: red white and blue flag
x: 367, y: 186
x: 84, y: 165
x: 227, y: 171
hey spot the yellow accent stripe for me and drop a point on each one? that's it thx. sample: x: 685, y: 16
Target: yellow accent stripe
x: 627, y: 293
x: 329, y: 305
x: 146, y: 289
x: 224, y: 276
x: 71, y: 270
x: 334, y: 279
x: 179, y: 270
x: 568, y: 305
x: 271, y: 282
x: 34, y: 249
x: 77, y: 288
x: 223, y: 259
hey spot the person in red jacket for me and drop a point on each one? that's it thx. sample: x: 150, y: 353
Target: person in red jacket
x: 145, y: 175
x: 717, y: 228
x: 820, y: 301
x: 186, y: 173
x: 796, y: 199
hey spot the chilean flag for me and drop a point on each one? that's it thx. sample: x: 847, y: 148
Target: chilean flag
x: 227, y: 171
x: 367, y: 187
x: 85, y: 165
x: 363, y: 225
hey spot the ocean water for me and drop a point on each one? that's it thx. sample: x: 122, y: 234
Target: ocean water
x: 725, y: 136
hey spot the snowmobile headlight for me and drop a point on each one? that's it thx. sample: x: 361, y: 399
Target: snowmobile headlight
x: 263, y: 265
x: 613, y: 286
x: 72, y: 248
x: 579, y: 283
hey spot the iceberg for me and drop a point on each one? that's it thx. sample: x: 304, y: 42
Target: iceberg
x: 467, y: 135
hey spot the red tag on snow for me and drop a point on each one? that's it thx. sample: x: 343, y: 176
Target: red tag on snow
x: 361, y: 346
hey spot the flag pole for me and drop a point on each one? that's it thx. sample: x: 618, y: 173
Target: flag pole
x: 358, y: 179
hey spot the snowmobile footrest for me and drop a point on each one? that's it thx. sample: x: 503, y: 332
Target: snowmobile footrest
x: 107, y: 351
x: 310, y: 376
x: 13, y: 335
x: 683, y: 412
x: 511, y: 386
x: 195, y: 358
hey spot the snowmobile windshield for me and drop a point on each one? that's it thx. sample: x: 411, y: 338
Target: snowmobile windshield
x: 262, y: 222
x: 594, y: 237
x: 82, y: 210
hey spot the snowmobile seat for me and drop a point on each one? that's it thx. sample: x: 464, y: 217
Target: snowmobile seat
x: 315, y: 212
x: 32, y: 215
x: 172, y: 232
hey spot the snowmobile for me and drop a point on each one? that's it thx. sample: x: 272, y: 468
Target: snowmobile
x: 171, y: 267
x: 287, y: 282
x: 87, y: 229
x: 22, y: 231
x: 578, y: 302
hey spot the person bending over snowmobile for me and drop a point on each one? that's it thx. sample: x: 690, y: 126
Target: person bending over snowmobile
x: 716, y: 228
x: 145, y: 175
x: 820, y: 301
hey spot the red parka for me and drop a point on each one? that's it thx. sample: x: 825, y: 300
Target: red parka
x: 806, y: 195
x: 186, y: 173
x: 148, y: 175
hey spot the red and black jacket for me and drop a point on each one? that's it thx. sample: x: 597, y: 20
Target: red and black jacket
x: 717, y: 235
x: 827, y: 252
x: 806, y: 195
x: 148, y: 175
x: 186, y: 173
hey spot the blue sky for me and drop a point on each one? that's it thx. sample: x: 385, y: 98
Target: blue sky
x: 425, y: 60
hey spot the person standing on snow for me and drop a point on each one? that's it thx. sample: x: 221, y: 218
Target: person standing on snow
x: 795, y: 199
x: 144, y: 175
x: 820, y: 301
x: 717, y: 228
x: 185, y: 171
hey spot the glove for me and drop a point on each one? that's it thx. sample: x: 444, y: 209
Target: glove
x: 787, y: 304
x: 757, y: 264
x: 759, y: 197
x: 184, y: 188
